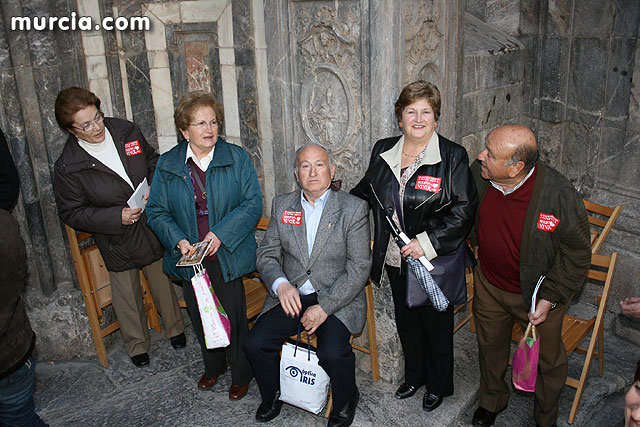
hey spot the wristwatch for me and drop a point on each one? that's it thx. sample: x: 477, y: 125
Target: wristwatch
x: 553, y: 305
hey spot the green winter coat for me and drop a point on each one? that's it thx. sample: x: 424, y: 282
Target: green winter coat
x: 235, y: 205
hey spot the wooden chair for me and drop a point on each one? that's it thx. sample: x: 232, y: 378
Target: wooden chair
x: 601, y: 219
x: 576, y: 329
x: 469, y: 304
x: 95, y: 286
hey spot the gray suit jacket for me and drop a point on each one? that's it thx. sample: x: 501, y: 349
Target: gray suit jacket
x: 340, y: 262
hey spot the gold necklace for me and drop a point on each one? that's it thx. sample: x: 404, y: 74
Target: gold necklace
x: 409, y: 155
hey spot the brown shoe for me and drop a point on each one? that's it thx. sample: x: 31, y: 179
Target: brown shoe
x: 206, y: 383
x: 237, y: 392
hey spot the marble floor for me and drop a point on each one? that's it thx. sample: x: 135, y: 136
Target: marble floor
x: 82, y: 393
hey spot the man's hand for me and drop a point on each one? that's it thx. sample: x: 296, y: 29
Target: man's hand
x: 412, y: 249
x: 313, y: 318
x: 542, y: 310
x: 215, y: 243
x: 631, y: 307
x: 289, y: 299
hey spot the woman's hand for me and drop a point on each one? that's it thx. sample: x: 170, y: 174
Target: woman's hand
x: 130, y: 216
x: 215, y: 243
x: 185, y: 247
x: 412, y: 249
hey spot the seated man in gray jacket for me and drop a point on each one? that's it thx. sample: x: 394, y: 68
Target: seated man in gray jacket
x: 315, y: 259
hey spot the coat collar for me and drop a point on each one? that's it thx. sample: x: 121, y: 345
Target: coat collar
x: 74, y: 157
x: 393, y: 156
x: 299, y: 233
x: 327, y: 221
x: 175, y: 162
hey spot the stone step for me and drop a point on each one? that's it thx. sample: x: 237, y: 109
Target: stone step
x: 165, y: 393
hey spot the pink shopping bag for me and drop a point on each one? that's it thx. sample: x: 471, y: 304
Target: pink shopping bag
x: 215, y: 322
x: 525, y: 361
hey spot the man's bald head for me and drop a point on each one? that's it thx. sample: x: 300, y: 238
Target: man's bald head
x: 519, y: 141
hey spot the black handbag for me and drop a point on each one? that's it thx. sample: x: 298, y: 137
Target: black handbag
x: 448, y: 273
x: 448, y: 270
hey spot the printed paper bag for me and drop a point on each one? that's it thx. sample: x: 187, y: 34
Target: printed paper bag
x: 303, y: 383
x: 215, y: 322
x: 525, y: 361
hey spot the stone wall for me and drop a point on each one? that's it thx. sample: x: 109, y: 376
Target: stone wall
x: 493, y: 82
x: 578, y: 60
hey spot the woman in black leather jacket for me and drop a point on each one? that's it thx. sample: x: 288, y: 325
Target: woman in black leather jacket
x: 431, y: 176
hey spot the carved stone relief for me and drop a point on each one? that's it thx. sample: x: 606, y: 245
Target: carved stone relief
x: 328, y: 66
x: 198, y: 71
x: 422, y: 40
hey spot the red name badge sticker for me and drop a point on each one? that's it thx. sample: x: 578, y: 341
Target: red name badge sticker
x: 292, y: 217
x: 547, y: 222
x: 132, y: 148
x: 428, y: 183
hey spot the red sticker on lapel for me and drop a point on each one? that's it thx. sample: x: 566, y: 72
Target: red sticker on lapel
x: 292, y: 217
x: 428, y: 183
x: 132, y: 148
x: 547, y: 222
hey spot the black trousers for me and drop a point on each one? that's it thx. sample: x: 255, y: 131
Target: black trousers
x: 231, y: 296
x: 335, y: 355
x: 426, y: 336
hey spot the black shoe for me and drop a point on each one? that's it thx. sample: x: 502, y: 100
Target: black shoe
x: 269, y: 410
x: 179, y: 341
x: 140, y: 359
x: 430, y: 402
x: 405, y: 390
x: 344, y: 417
x: 483, y: 417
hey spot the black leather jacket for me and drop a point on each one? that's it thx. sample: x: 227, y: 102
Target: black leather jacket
x: 440, y: 221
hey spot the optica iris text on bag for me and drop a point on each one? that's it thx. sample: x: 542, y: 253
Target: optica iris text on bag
x: 306, y: 377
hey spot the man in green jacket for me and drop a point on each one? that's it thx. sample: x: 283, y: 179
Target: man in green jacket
x: 531, y: 228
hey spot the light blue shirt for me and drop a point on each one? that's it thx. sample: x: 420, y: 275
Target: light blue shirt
x: 312, y: 215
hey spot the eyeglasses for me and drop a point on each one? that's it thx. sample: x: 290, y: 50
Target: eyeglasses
x: 202, y: 125
x: 89, y: 126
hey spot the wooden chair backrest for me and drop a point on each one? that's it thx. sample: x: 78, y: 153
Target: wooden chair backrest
x: 601, y: 220
x: 600, y: 273
x: 93, y: 281
x: 575, y: 329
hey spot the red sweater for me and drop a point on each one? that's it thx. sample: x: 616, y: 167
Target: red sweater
x: 500, y: 224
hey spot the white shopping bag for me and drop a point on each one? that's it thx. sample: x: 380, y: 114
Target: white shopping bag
x: 215, y: 323
x: 303, y: 383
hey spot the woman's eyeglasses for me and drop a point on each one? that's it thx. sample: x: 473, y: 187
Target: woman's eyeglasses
x: 202, y: 125
x: 89, y: 126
